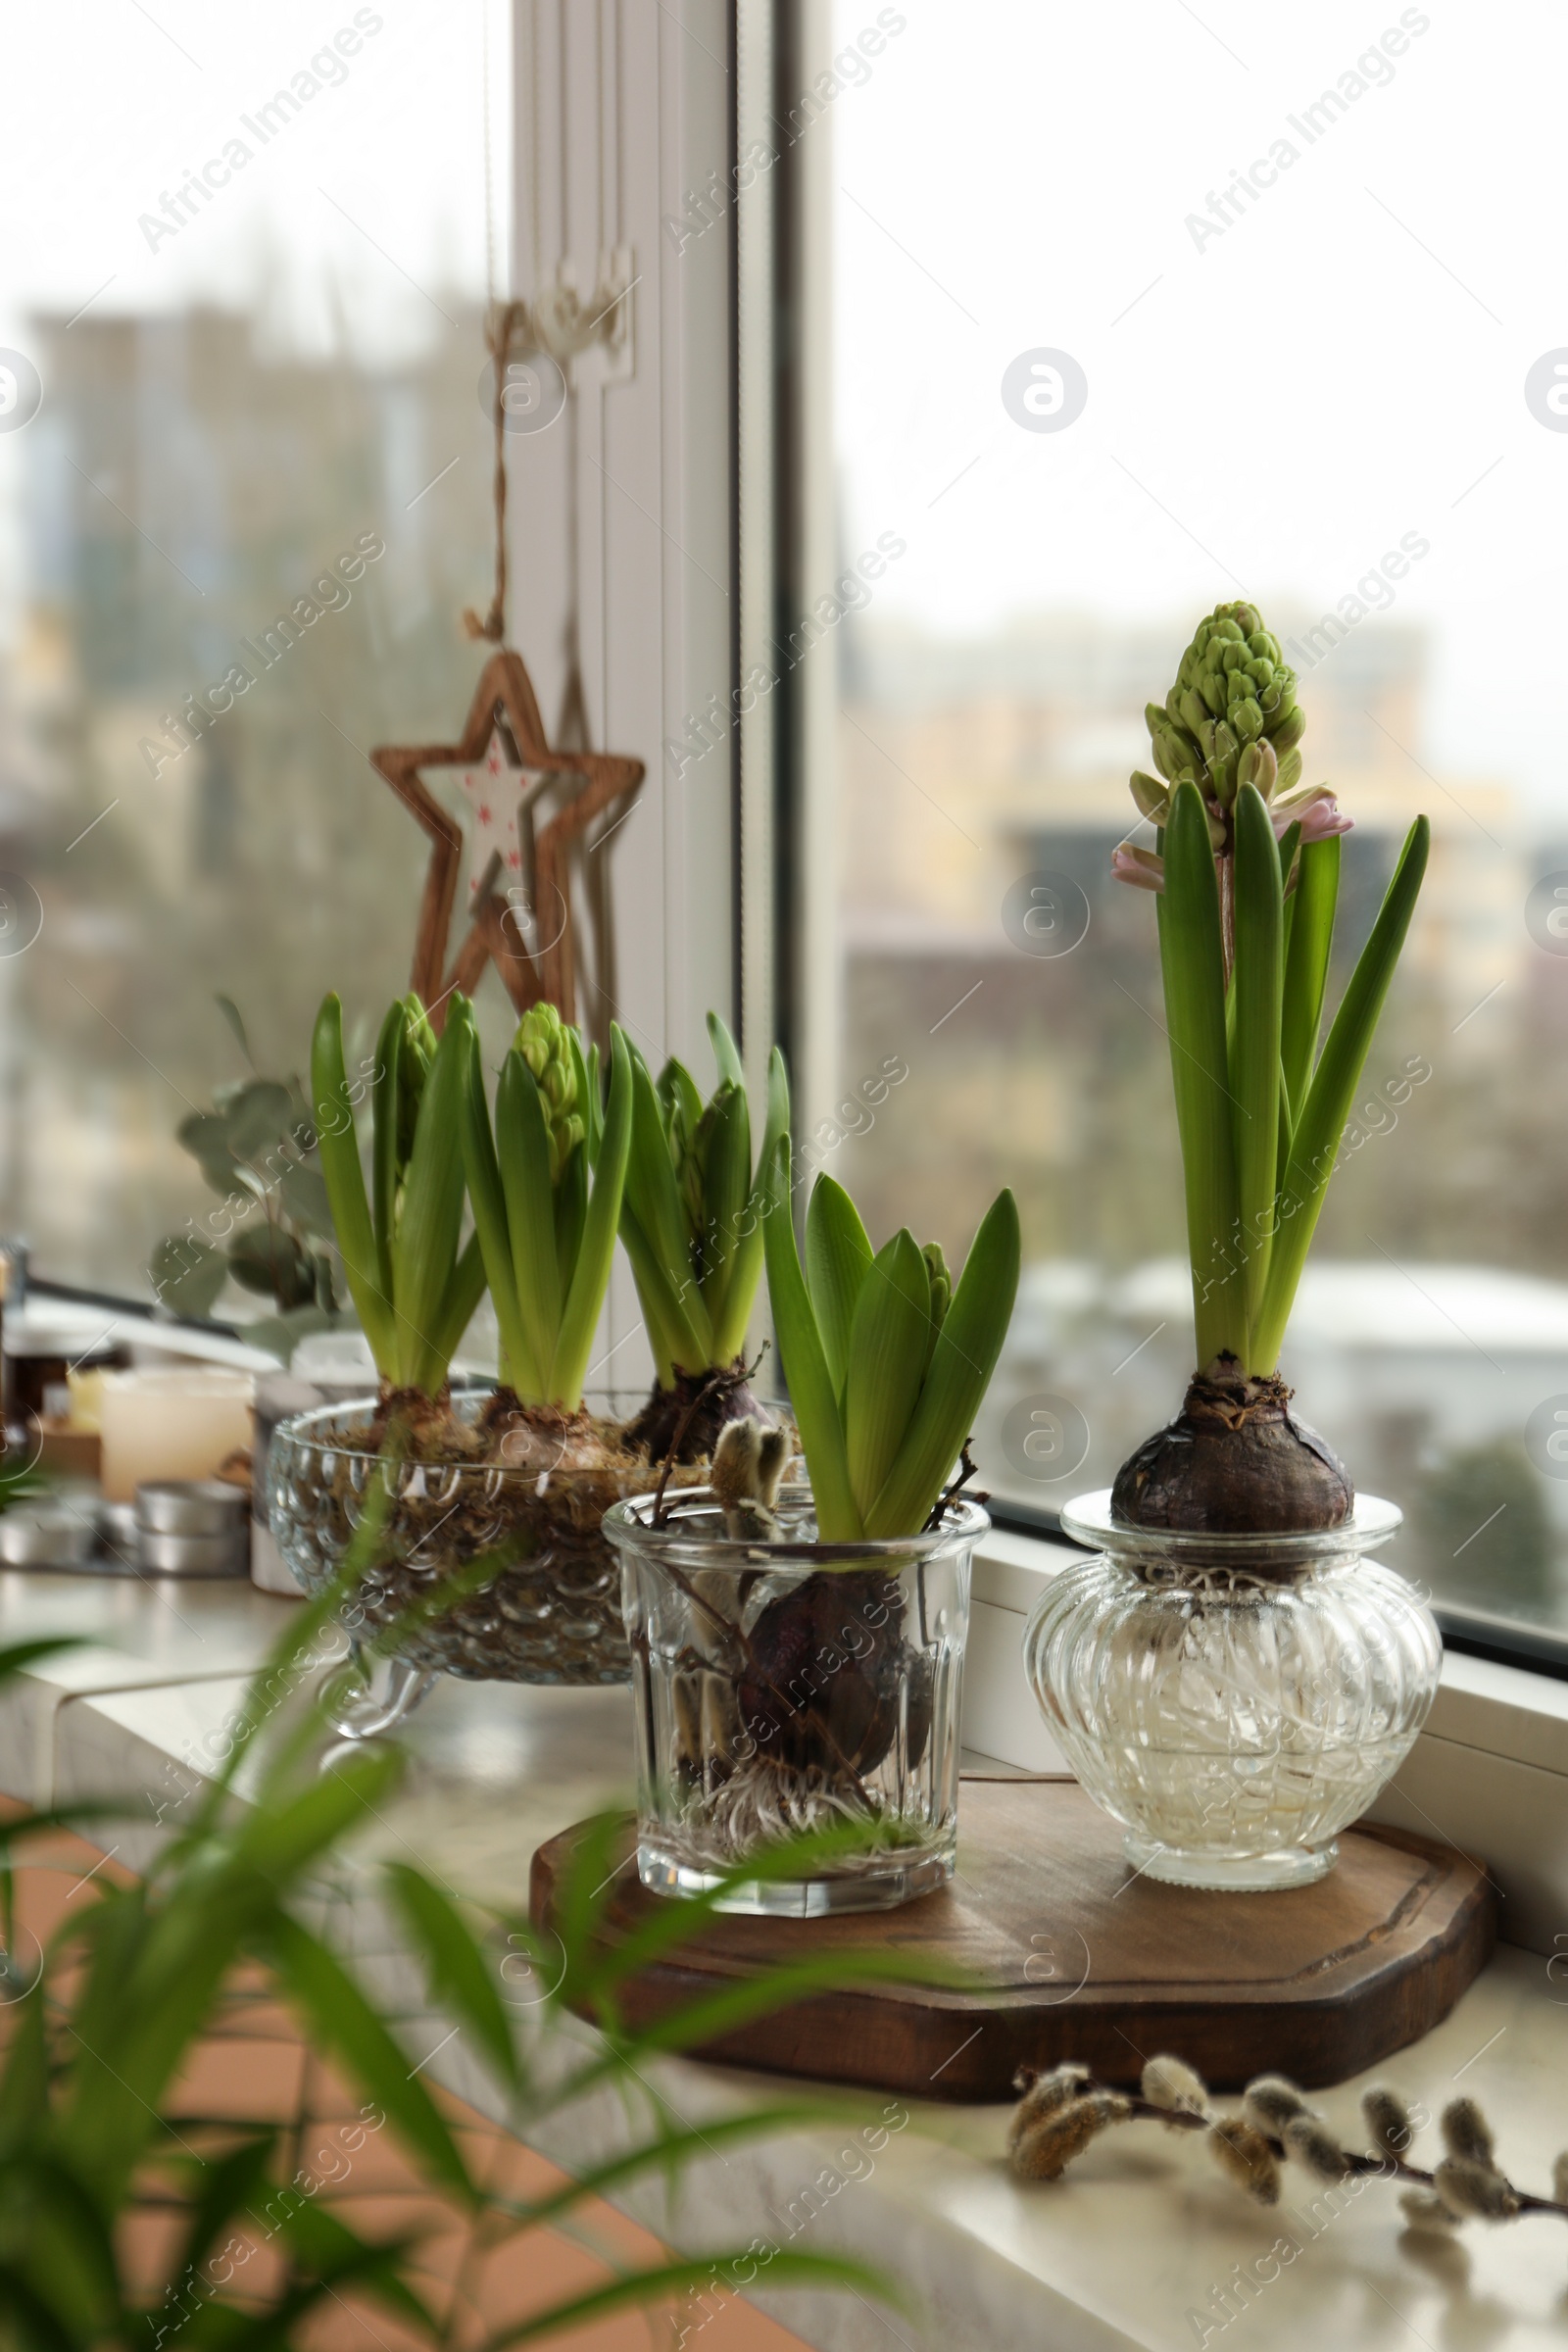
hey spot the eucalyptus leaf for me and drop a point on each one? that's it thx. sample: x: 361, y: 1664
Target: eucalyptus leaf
x: 260, y: 1117
x: 208, y: 1136
x: 271, y: 1263
x: 187, y: 1275
x: 280, y: 1334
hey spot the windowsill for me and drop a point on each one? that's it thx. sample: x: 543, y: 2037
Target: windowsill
x: 1113, y: 2259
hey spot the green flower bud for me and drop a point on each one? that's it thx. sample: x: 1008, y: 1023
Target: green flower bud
x: 1195, y: 714
x: 1153, y: 801
x: 1258, y: 766
x: 1233, y: 673
x: 543, y: 1041
x: 1173, y: 754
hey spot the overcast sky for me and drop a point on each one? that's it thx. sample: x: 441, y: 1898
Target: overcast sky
x: 1270, y: 408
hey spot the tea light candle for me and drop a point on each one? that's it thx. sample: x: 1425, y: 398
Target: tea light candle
x: 179, y: 1423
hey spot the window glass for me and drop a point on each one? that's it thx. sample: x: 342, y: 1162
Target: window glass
x: 1138, y: 310
x: 244, y: 494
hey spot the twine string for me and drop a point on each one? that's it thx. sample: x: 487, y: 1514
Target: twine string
x: 503, y: 322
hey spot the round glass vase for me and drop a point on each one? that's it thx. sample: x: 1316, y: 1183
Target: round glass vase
x: 792, y: 1685
x: 551, y: 1616
x: 1234, y: 1702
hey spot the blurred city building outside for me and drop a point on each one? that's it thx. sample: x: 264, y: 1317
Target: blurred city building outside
x: 202, y: 504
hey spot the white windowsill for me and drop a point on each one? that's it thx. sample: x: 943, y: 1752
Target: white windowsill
x: 1115, y: 2259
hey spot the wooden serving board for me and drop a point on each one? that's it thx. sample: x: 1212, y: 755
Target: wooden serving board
x: 1065, y: 1954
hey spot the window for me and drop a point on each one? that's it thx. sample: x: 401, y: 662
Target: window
x: 239, y: 529
x: 1135, y: 311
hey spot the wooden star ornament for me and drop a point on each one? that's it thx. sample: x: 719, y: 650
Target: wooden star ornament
x: 528, y: 808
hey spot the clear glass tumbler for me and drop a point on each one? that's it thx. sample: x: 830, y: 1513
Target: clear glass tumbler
x: 1234, y: 1702
x: 790, y: 1685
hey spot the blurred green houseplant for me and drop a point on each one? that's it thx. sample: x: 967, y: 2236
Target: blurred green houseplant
x: 92, y: 2134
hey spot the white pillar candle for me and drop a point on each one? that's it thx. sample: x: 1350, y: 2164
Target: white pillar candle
x: 171, y: 1424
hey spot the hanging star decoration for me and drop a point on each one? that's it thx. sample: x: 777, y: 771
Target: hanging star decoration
x: 532, y: 815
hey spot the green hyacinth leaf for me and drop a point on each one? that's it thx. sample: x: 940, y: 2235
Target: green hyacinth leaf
x: 813, y: 1391
x: 837, y: 1259
x: 962, y: 1361
x: 888, y: 1342
x: 1328, y: 1101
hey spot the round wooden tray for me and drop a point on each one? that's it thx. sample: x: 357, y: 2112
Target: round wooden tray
x: 1067, y: 1955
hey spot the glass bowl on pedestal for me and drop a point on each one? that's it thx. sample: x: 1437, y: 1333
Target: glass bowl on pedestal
x: 551, y: 1615
x: 1235, y: 1701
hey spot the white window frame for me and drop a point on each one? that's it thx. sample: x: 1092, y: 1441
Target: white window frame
x: 620, y: 110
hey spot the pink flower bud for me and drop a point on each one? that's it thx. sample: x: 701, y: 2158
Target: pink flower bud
x: 1324, y: 818
x: 1141, y: 867
x: 1314, y: 808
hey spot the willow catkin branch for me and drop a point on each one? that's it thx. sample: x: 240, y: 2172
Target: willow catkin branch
x: 1043, y: 2094
x: 1047, y: 2146
x: 1467, y: 2186
x: 1388, y: 2119
x: 1467, y: 2133
x: 1313, y: 2144
x: 1170, y: 2083
x: 1239, y: 2148
x: 1271, y: 2101
x: 1460, y: 2189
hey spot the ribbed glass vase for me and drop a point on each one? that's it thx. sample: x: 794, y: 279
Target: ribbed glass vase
x: 1234, y: 1702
